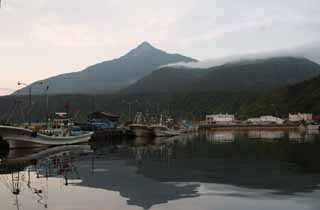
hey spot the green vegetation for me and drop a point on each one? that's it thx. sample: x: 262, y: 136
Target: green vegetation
x: 302, y: 97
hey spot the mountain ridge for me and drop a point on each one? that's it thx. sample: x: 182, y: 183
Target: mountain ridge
x: 263, y: 74
x: 109, y: 76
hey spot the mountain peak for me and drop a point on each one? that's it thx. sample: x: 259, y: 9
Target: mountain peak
x: 143, y: 48
x: 145, y: 45
x: 113, y: 75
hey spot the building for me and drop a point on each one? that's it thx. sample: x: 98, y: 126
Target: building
x: 300, y: 117
x: 266, y: 120
x: 220, y: 119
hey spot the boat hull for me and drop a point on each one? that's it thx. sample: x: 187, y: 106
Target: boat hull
x: 24, y: 138
x: 166, y: 133
x: 141, y: 131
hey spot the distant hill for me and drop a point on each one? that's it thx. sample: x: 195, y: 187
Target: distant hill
x: 301, y: 97
x: 263, y: 74
x: 111, y: 75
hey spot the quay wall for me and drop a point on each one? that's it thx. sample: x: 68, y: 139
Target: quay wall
x: 250, y: 127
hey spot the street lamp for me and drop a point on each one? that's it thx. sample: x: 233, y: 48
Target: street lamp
x: 30, y: 102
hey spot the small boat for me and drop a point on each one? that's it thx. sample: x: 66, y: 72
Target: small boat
x: 60, y: 132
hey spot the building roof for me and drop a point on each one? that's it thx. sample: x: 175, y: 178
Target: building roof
x: 105, y: 114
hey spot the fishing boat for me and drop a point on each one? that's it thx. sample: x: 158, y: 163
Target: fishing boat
x: 161, y: 130
x: 60, y: 131
x: 164, y: 131
x: 140, y: 128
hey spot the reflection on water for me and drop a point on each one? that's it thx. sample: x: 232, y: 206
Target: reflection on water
x: 266, y: 134
x: 216, y: 170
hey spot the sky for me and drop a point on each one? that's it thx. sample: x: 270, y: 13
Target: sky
x: 43, y: 38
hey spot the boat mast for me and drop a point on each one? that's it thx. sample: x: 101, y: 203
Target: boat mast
x: 30, y: 99
x: 47, y: 104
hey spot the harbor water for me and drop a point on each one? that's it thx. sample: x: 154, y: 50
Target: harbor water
x: 221, y: 170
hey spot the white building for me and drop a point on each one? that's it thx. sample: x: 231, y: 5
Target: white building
x: 300, y: 117
x: 220, y: 119
x: 266, y: 120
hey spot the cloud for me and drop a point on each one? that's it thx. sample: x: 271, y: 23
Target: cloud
x: 224, y: 60
x: 310, y: 51
x: 51, y: 37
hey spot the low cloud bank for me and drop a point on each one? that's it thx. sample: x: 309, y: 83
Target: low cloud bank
x: 310, y: 51
x: 5, y: 91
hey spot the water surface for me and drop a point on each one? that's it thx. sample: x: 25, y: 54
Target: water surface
x: 217, y: 170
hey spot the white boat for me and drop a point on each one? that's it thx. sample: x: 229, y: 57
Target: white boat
x: 18, y: 137
x: 163, y: 131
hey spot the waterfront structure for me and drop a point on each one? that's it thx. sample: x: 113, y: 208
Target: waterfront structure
x: 300, y: 117
x: 220, y: 119
x: 266, y: 120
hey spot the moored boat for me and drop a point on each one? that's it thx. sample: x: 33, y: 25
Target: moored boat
x: 60, y: 132
x: 163, y: 131
x: 21, y: 138
x: 141, y: 130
